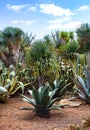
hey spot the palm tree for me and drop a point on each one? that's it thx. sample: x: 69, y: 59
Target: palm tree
x: 11, y: 37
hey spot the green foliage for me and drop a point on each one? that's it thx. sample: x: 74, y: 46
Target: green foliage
x: 67, y: 73
x: 27, y: 56
x: 42, y: 101
x: 87, y: 47
x: 39, y: 59
x: 83, y: 30
x: 62, y: 49
x: 15, y: 85
x: 83, y: 33
x: 71, y: 47
x: 12, y: 33
x: 9, y: 80
x: 40, y: 51
x: 80, y: 65
x: 61, y: 87
x: 83, y: 88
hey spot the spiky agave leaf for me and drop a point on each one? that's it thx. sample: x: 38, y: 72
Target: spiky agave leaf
x: 81, y: 95
x: 30, y: 92
x: 35, y: 95
x: 56, y: 107
x: 52, y: 101
x: 64, y: 89
x: 2, y: 90
x: 44, y: 95
x: 60, y: 87
x: 7, y: 86
x: 3, y: 94
x: 30, y: 101
x: 83, y: 84
x: 52, y: 93
x: 82, y: 90
x: 19, y: 86
x: 40, y: 96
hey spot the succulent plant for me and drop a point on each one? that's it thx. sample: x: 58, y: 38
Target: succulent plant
x: 42, y: 101
x: 61, y: 87
x: 83, y: 88
x: 3, y: 94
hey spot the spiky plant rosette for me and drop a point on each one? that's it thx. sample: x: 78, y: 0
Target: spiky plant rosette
x: 42, y: 101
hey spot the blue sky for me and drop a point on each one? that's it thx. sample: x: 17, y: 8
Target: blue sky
x: 42, y: 17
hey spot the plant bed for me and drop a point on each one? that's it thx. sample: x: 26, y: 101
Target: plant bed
x: 11, y: 118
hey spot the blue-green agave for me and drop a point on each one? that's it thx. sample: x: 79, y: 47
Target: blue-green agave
x: 42, y: 101
x: 83, y: 88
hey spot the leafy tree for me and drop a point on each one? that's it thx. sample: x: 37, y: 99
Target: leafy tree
x: 83, y: 33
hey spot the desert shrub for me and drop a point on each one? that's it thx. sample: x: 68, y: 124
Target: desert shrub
x: 71, y: 47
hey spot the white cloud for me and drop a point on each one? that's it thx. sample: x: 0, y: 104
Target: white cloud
x: 83, y: 8
x: 72, y: 25
x: 16, y: 8
x: 32, y: 8
x: 25, y: 22
x: 60, y: 20
x: 54, y: 10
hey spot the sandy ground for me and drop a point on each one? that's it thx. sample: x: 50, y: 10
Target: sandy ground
x: 11, y: 118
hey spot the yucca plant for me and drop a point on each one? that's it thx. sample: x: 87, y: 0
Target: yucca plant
x: 42, y: 101
x: 83, y: 88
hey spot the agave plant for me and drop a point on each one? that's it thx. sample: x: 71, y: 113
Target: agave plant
x: 83, y: 88
x: 61, y: 87
x: 42, y: 101
x: 14, y: 85
x: 3, y: 94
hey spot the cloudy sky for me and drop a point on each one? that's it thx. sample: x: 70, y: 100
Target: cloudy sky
x: 41, y: 17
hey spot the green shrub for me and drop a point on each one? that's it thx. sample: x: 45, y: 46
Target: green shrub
x: 62, y: 87
x: 71, y: 47
x: 87, y: 47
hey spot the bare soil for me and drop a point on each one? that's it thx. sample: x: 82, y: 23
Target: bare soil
x: 11, y: 118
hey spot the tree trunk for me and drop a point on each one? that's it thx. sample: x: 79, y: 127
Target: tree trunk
x: 4, y: 58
